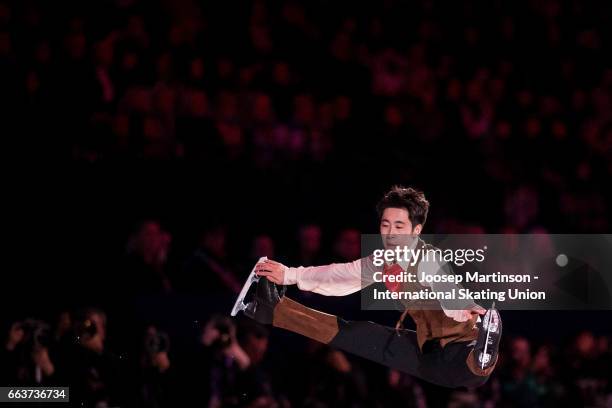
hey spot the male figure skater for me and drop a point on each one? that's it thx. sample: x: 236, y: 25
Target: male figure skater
x: 451, y: 348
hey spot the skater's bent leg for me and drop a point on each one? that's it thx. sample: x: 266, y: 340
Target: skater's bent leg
x: 384, y: 345
x: 450, y: 366
x: 393, y: 348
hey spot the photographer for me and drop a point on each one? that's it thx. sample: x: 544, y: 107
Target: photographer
x: 25, y: 358
x: 155, y: 373
x: 219, y: 367
x: 219, y: 335
x: 233, y: 373
x: 90, y: 369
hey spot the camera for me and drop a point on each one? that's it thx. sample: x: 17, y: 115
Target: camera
x: 156, y: 341
x: 85, y: 329
x: 36, y: 333
x: 224, y: 326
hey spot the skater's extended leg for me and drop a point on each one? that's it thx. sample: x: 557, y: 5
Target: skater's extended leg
x: 450, y: 366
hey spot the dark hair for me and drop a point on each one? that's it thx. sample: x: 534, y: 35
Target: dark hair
x: 412, y: 200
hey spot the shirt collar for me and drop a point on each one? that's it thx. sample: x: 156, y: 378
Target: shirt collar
x: 405, y: 263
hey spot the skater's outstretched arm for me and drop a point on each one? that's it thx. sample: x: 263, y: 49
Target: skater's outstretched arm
x: 338, y: 279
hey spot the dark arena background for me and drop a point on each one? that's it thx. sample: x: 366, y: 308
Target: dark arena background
x: 154, y: 150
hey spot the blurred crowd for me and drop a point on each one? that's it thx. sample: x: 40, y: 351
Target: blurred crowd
x: 116, y: 359
x: 228, y: 366
x: 517, y: 93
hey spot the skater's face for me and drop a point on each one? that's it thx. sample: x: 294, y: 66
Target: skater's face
x: 396, y: 228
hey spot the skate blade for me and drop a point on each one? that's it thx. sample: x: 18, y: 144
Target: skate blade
x: 491, y: 328
x: 239, y: 305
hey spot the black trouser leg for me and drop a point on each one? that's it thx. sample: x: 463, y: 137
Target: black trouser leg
x: 445, y: 366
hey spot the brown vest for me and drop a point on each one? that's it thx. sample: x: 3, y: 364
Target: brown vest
x: 432, y: 324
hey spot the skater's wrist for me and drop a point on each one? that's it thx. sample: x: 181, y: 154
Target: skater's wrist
x: 290, y: 276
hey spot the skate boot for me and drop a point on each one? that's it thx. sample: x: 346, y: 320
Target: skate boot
x: 263, y: 298
x: 267, y: 304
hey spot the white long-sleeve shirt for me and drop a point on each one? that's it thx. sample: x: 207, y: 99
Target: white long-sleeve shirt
x: 341, y: 279
x: 338, y: 279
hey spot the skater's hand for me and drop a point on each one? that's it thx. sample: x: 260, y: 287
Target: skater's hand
x: 478, y: 310
x: 274, y: 271
x: 465, y: 315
